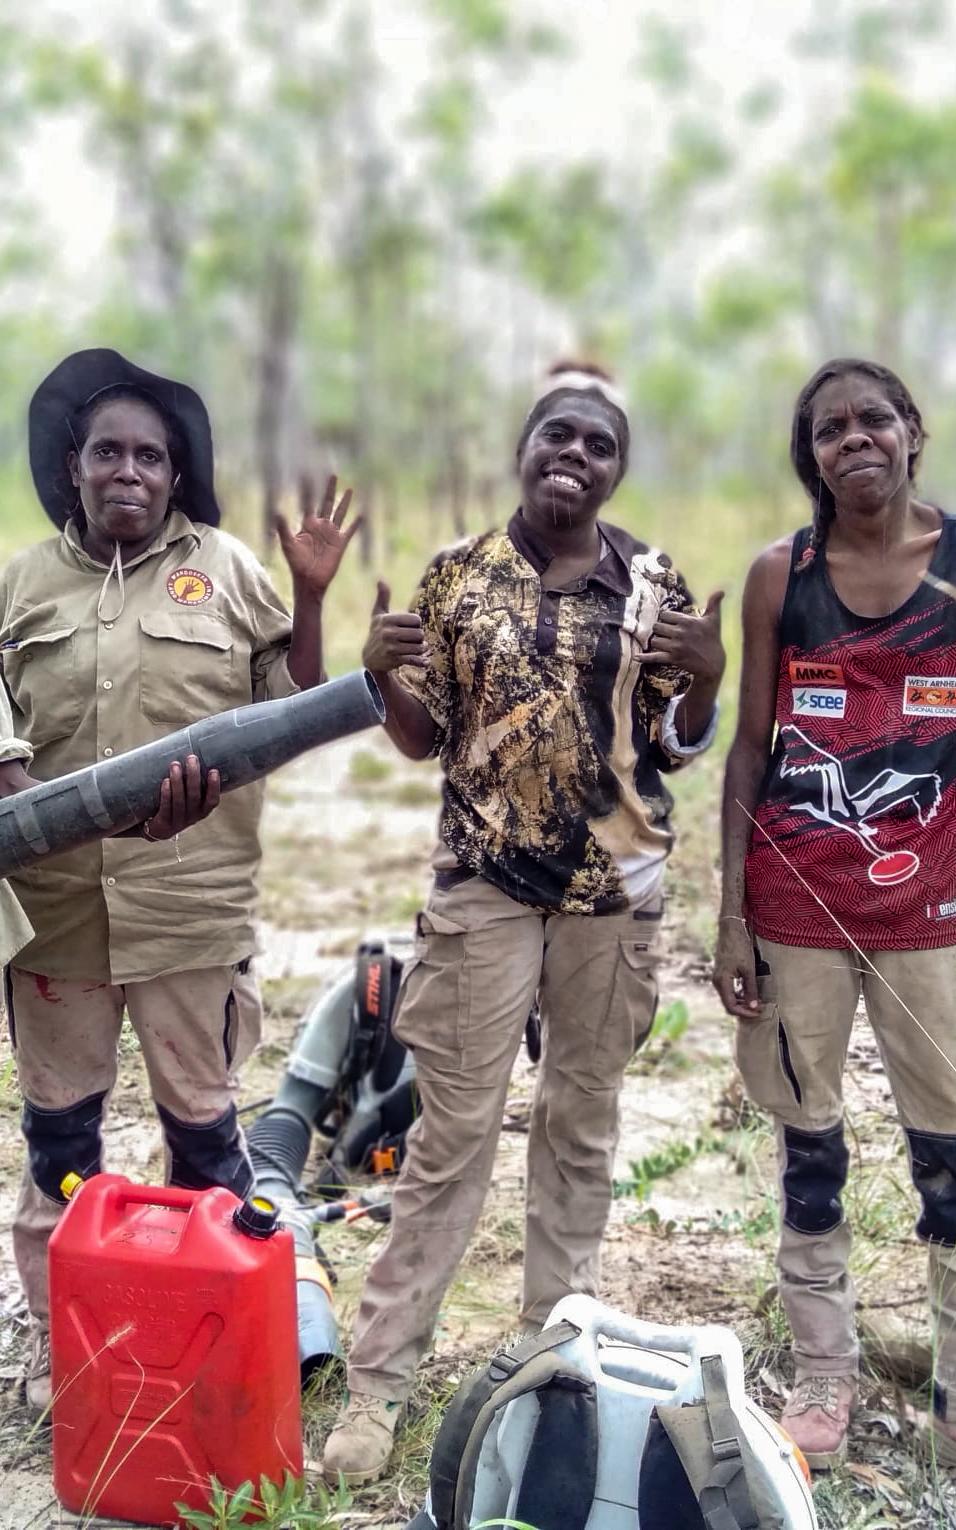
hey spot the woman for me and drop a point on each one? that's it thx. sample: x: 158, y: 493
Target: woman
x: 838, y: 839
x: 138, y: 618
x: 557, y: 668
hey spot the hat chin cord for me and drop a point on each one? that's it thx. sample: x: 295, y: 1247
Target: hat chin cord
x: 116, y: 567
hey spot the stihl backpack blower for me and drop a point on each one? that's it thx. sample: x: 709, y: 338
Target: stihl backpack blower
x: 602, y: 1422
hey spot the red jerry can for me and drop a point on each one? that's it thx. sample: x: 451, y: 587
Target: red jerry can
x: 174, y: 1348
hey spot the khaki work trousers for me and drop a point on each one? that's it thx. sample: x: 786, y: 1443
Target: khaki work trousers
x: 792, y: 1060
x: 480, y: 959
x: 195, y: 1030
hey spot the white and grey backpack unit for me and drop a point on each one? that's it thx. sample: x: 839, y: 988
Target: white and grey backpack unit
x: 601, y: 1422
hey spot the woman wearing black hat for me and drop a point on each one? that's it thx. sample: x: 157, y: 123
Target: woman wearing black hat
x: 138, y: 618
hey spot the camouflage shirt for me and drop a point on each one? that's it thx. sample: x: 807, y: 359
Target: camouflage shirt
x: 552, y: 735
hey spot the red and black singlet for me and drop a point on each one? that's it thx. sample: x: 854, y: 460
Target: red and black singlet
x: 859, y: 798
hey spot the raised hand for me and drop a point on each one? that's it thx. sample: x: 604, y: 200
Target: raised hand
x: 315, y: 551
x: 394, y: 637
x: 689, y: 642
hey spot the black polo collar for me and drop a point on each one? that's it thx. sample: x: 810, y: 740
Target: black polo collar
x: 614, y: 569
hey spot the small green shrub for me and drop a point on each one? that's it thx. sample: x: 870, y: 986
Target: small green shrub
x: 670, y: 1023
x: 293, y: 1506
x: 658, y: 1165
x: 368, y: 769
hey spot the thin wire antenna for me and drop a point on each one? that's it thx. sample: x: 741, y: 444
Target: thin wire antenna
x: 846, y: 934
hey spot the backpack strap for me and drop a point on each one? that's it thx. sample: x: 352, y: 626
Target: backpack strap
x: 538, y: 1375
x: 723, y: 1421
x: 473, y: 1406
x: 714, y: 1453
x: 560, y: 1473
x: 725, y: 1500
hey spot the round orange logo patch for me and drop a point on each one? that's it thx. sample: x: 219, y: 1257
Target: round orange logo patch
x: 189, y: 586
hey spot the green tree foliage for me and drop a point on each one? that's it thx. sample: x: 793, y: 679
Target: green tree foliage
x: 558, y: 224
x: 893, y: 179
x: 356, y: 283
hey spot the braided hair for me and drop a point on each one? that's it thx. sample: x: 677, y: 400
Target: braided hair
x: 574, y: 378
x: 801, y: 440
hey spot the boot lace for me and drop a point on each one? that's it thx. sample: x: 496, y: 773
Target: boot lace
x: 39, y: 1361
x: 363, y: 1405
x: 816, y: 1392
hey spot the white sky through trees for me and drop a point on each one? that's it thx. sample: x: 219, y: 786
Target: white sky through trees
x: 593, y: 103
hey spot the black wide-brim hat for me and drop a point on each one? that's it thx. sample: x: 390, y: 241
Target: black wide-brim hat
x: 75, y: 382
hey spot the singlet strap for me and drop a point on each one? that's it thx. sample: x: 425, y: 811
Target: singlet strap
x: 799, y: 585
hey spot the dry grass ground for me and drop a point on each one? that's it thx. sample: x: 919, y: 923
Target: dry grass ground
x: 692, y: 1230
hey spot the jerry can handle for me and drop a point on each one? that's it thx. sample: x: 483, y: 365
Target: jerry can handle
x: 173, y: 1196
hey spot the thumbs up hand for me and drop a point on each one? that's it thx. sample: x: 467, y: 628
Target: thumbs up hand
x: 690, y: 641
x: 394, y: 637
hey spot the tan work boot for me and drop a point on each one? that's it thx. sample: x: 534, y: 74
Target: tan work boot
x: 39, y: 1388
x: 361, y: 1442
x: 817, y: 1418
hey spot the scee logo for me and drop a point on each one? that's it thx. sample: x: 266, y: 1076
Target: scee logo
x: 818, y: 701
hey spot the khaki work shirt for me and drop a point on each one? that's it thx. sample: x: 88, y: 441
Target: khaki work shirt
x: 15, y: 927
x: 93, y: 670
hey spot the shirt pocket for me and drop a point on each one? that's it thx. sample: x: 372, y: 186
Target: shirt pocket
x: 188, y: 668
x: 39, y: 668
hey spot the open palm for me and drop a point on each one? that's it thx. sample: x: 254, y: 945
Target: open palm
x: 315, y: 551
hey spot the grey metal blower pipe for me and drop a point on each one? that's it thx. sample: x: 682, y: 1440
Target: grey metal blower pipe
x: 243, y: 745
x: 279, y: 1142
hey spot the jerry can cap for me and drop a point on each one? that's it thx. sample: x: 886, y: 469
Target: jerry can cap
x: 257, y: 1218
x: 69, y: 1184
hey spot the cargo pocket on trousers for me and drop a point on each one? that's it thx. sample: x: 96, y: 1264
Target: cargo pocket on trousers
x: 763, y: 1052
x: 431, y: 1009
x: 631, y: 1007
x: 230, y: 1027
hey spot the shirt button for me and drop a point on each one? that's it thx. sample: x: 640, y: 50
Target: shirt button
x: 108, y: 626
x: 107, y: 751
x: 107, y: 685
x: 549, y: 621
x: 111, y: 881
